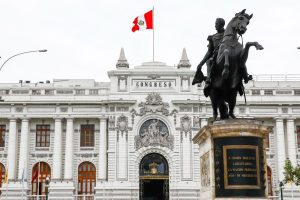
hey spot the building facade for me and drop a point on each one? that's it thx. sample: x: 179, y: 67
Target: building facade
x: 130, y: 138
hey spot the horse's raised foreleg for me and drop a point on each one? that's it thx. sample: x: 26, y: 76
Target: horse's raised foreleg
x: 225, y: 72
x: 245, y: 52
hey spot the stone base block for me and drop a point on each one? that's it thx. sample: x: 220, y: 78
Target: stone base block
x: 61, y: 190
x: 14, y: 191
x: 233, y: 160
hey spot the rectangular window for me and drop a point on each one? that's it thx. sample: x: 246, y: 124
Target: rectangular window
x: 268, y: 92
x: 20, y: 91
x: 298, y: 136
x: 4, y: 92
x: 297, y: 92
x: 93, y: 92
x: 2, y: 135
x: 49, y: 92
x: 43, y: 135
x: 36, y: 92
x: 64, y: 91
x: 87, y: 135
x: 255, y: 92
x: 80, y: 92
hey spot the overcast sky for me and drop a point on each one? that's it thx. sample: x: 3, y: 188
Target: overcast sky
x: 84, y: 37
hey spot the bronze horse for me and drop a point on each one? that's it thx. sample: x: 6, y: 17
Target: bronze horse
x: 230, y: 67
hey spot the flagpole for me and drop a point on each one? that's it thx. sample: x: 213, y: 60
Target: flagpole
x: 153, y: 32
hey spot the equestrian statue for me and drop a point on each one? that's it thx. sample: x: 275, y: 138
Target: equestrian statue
x: 226, y: 65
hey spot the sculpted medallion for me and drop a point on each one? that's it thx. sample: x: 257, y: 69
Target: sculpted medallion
x: 154, y: 132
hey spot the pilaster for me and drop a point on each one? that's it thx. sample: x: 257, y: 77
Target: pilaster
x: 290, y: 127
x: 281, y: 155
x: 57, y: 150
x: 102, y: 168
x: 12, y: 146
x: 23, y: 158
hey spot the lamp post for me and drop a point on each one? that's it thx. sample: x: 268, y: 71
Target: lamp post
x: 36, y: 51
x: 47, y: 182
x: 281, y: 187
x: 43, y: 50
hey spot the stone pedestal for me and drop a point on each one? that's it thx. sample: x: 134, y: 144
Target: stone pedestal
x: 233, y: 159
x: 61, y: 190
x: 14, y: 190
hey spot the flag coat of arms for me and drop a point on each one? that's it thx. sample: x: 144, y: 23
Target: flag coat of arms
x: 143, y: 22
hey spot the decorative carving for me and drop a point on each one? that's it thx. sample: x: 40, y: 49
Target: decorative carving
x: 154, y: 104
x: 196, y: 122
x: 154, y: 133
x: 185, y: 123
x: 122, y: 124
x: 111, y: 121
x: 153, y: 76
x: 19, y: 109
x: 63, y: 109
x: 205, y: 175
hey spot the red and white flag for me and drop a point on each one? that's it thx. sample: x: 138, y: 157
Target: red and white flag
x: 143, y: 22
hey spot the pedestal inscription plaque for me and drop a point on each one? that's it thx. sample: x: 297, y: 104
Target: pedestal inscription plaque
x: 239, y: 167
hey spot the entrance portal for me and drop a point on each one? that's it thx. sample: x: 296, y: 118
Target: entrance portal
x: 154, y: 178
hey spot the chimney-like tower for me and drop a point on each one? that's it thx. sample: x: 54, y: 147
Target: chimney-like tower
x: 122, y: 62
x: 184, y: 61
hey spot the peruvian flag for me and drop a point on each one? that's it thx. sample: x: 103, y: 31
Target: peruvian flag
x: 143, y: 22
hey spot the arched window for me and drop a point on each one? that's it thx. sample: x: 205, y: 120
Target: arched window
x: 86, y: 178
x: 154, y: 164
x: 40, y: 172
x: 2, y: 175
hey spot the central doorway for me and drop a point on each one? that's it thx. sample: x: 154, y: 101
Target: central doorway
x: 154, y: 178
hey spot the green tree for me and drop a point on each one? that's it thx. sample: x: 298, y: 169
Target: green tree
x: 297, y: 174
x: 289, y: 173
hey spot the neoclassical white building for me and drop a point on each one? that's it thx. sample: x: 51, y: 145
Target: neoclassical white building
x: 130, y: 138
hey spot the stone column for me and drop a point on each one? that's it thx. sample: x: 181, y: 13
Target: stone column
x: 69, y: 150
x: 12, y: 146
x: 281, y: 156
x: 102, y: 168
x: 23, y: 159
x: 290, y: 127
x: 57, y: 153
x: 203, y: 122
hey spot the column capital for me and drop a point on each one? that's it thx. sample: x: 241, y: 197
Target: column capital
x: 12, y: 118
x: 291, y: 118
x: 57, y: 118
x: 69, y: 118
x: 278, y: 118
x: 103, y: 117
x: 25, y: 119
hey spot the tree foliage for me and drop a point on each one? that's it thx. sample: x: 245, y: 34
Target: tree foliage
x: 289, y: 172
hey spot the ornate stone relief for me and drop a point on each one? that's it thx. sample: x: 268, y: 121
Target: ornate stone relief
x: 111, y: 121
x: 122, y: 125
x: 153, y: 104
x: 185, y: 126
x: 196, y: 122
x: 205, y: 171
x: 19, y: 109
x: 154, y: 132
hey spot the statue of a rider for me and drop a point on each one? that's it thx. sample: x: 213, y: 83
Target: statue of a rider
x: 210, y: 59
